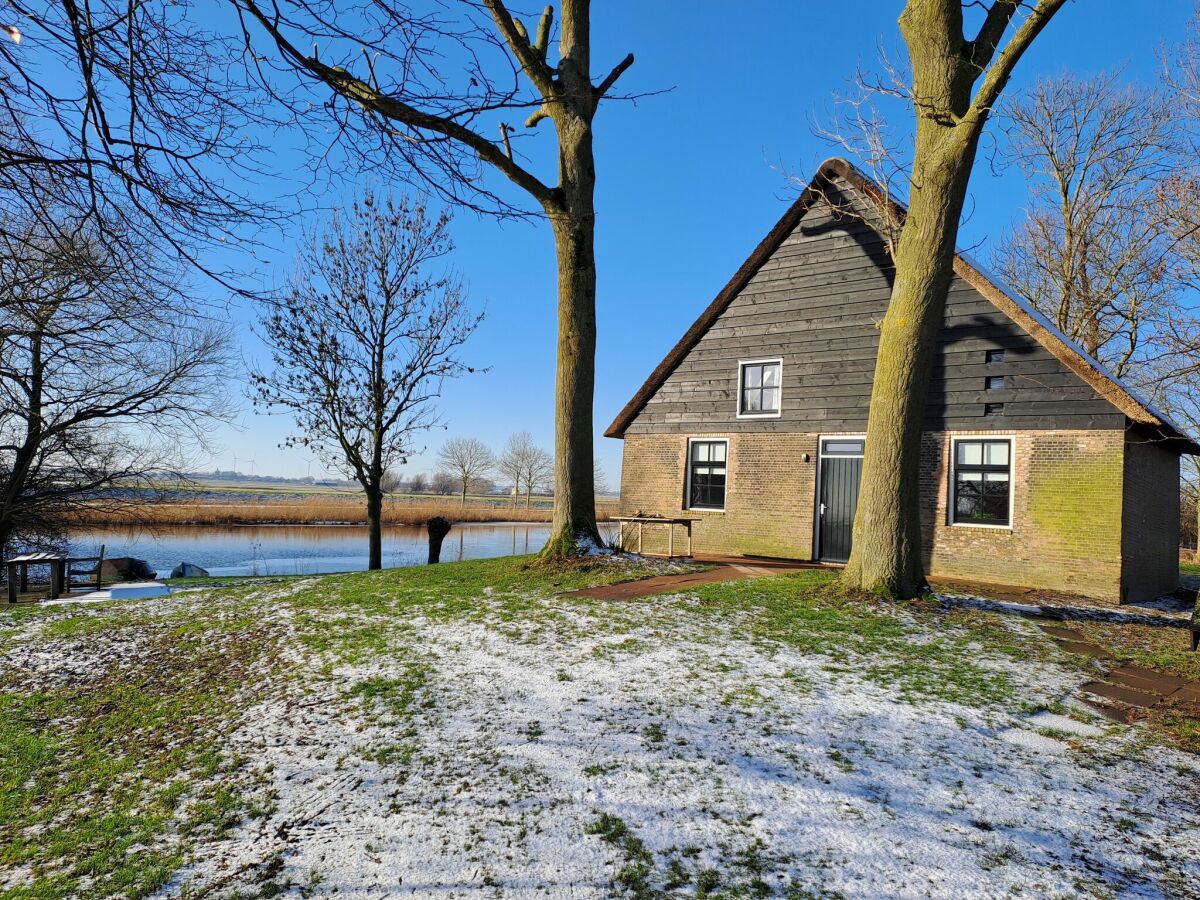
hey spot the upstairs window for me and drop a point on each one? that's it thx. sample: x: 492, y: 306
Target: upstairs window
x: 995, y: 356
x: 759, y: 387
x: 706, y: 474
x: 982, y: 482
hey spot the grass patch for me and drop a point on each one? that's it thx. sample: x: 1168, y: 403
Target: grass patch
x: 108, y: 779
x: 922, y: 650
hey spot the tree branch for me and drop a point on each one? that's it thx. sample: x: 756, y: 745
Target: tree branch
x: 611, y: 79
x: 533, y: 64
x: 998, y: 74
x: 357, y: 90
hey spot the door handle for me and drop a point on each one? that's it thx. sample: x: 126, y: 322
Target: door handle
x: 822, y: 509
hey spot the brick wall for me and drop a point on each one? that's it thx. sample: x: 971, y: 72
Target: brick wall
x: 768, y: 495
x: 1066, y: 515
x: 1151, y: 519
x: 1069, y: 497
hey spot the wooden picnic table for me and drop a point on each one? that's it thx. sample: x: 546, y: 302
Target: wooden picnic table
x: 61, y: 570
x: 669, y: 521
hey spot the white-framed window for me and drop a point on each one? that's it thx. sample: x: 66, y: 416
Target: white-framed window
x: 981, y: 481
x: 707, y: 471
x: 760, y: 388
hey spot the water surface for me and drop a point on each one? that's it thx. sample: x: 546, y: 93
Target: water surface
x: 304, y: 549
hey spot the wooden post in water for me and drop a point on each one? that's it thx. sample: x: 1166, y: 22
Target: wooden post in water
x: 439, y: 527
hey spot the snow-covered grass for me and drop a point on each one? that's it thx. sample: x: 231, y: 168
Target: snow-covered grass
x: 464, y: 731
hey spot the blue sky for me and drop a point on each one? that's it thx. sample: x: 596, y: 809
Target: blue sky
x: 689, y: 183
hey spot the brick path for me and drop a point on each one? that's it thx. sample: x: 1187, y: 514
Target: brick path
x: 1127, y: 692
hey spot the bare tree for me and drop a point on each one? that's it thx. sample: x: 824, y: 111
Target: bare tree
x: 528, y: 466
x: 414, y: 91
x: 363, y: 340
x: 956, y: 83
x: 510, y: 462
x: 140, y: 117
x: 465, y: 460
x: 419, y: 483
x: 1093, y: 254
x: 442, y: 484
x: 392, y: 481
x: 602, y: 486
x: 104, y: 375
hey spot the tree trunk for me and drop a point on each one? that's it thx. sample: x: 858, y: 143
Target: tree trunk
x: 574, y: 226
x: 374, y: 528
x: 885, y: 557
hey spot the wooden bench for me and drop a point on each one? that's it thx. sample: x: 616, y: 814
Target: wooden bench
x: 62, y: 571
x: 668, y: 521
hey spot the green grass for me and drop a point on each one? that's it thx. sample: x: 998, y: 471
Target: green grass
x: 923, y: 651
x: 96, y: 774
x: 108, y: 779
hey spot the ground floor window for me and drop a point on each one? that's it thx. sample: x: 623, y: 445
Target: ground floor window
x: 982, y: 482
x: 706, y: 474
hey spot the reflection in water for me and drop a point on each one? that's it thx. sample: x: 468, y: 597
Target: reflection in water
x: 305, y: 549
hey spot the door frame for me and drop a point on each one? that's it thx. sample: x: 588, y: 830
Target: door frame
x: 816, y: 509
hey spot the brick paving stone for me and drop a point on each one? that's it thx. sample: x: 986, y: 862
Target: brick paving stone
x: 1123, y: 714
x: 1146, y: 679
x: 1189, y: 692
x: 1059, y: 631
x: 1121, y: 693
x: 1085, y: 648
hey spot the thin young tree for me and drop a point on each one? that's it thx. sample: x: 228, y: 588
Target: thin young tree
x: 414, y: 91
x: 510, y: 464
x: 104, y: 374
x: 956, y: 83
x: 363, y: 340
x: 466, y: 460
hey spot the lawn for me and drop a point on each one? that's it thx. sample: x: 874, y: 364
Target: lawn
x: 466, y: 730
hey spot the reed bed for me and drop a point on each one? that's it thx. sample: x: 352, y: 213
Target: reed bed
x: 314, y: 510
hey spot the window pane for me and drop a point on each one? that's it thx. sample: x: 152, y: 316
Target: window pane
x: 718, y: 452
x: 995, y: 499
x: 970, y: 453
x: 976, y: 477
x: 752, y: 400
x: 770, y: 399
x: 996, y: 453
x: 842, y: 448
x: 753, y: 375
x: 967, y: 497
x: 700, y: 451
x: 770, y: 375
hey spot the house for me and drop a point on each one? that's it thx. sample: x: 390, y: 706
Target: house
x: 1038, y: 469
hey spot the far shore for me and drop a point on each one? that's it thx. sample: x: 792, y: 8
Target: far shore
x: 320, y: 509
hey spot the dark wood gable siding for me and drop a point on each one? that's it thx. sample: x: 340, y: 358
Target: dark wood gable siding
x: 815, y: 303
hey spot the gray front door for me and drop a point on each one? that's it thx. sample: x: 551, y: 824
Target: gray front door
x: 841, y: 473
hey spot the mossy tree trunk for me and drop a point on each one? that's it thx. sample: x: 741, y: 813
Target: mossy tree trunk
x: 574, y: 227
x: 886, y: 553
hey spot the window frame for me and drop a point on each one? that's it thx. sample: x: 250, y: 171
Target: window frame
x: 741, y: 374
x: 687, y: 476
x: 951, y: 492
